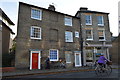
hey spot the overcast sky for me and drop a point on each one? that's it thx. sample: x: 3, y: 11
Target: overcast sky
x: 10, y: 7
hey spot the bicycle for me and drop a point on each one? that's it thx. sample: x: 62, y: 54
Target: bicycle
x: 101, y: 70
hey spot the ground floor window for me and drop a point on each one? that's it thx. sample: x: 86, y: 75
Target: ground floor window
x: 68, y: 57
x: 53, y: 54
x: 89, y: 55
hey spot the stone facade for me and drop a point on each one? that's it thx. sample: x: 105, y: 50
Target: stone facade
x: 52, y: 36
x: 93, y: 47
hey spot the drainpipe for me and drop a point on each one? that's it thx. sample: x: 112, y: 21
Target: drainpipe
x: 81, y: 41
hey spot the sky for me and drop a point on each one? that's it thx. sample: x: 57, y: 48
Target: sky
x: 10, y: 7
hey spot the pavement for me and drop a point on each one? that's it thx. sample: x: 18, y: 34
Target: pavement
x: 25, y: 72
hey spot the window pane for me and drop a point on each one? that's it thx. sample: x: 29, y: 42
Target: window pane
x: 89, y: 34
x: 101, y: 34
x: 68, y: 58
x: 36, y: 14
x: 53, y: 55
x: 88, y: 19
x: 100, y: 20
x: 36, y: 32
x: 68, y: 21
x: 76, y: 34
x: 68, y: 36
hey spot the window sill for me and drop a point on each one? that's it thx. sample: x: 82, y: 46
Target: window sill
x: 101, y: 25
x: 102, y: 40
x: 89, y: 39
x: 69, y: 25
x: 88, y: 24
x: 36, y: 19
x: 68, y: 62
x: 35, y: 38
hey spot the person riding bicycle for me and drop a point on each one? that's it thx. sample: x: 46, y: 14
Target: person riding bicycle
x: 102, y: 60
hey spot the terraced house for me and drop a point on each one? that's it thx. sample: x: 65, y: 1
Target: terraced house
x: 46, y: 32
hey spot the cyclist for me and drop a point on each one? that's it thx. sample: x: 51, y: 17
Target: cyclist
x: 102, y: 60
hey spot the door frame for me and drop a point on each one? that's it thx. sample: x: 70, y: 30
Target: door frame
x: 79, y: 59
x: 39, y: 59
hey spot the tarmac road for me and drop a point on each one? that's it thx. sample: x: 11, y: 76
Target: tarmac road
x: 84, y: 75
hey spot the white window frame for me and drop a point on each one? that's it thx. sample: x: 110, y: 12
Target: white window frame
x: 102, y: 36
x: 91, y: 35
x: 31, y: 32
x: 68, y: 21
x: 68, y: 36
x: 39, y: 14
x: 66, y: 56
x: 76, y: 34
x: 89, y: 20
x: 102, y: 24
x: 57, y: 55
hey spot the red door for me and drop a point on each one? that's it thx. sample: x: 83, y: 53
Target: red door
x: 35, y: 60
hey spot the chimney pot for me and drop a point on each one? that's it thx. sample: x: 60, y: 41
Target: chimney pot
x: 51, y: 7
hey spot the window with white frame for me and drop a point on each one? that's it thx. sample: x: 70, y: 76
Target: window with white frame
x: 68, y: 36
x: 101, y: 34
x: 68, y: 21
x: 68, y: 58
x: 53, y: 54
x: 100, y: 20
x: 35, y: 32
x: 77, y: 34
x: 89, y: 35
x: 88, y: 20
x: 36, y: 13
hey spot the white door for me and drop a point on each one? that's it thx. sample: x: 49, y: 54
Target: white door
x: 78, y: 59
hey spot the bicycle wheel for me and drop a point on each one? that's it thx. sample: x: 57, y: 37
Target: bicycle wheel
x: 108, y: 70
x: 98, y: 71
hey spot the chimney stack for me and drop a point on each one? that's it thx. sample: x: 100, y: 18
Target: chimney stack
x: 51, y: 7
x: 83, y: 8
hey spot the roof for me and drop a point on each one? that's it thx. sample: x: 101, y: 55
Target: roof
x: 89, y: 11
x: 7, y: 27
x: 47, y: 9
x: 6, y: 17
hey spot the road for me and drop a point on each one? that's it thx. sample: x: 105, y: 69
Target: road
x: 71, y: 75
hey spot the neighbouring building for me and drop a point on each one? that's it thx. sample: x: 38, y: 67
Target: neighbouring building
x: 96, y: 36
x: 46, y: 32
x: 5, y: 32
x: 114, y: 51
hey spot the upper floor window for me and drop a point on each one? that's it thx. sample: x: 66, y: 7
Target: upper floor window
x: 88, y: 20
x: 89, y: 35
x: 53, y: 54
x: 35, y: 32
x: 101, y: 34
x: 68, y: 36
x: 68, y: 21
x: 36, y: 14
x: 77, y: 34
x: 100, y: 20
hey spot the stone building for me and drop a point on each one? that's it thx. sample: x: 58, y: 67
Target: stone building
x: 5, y: 35
x: 114, y: 51
x: 46, y: 32
x: 96, y: 36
